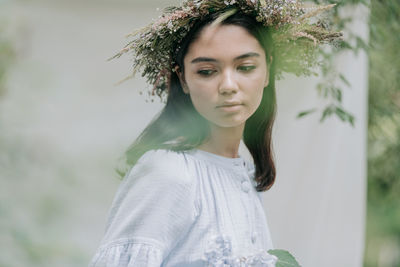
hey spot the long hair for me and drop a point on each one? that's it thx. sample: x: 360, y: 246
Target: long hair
x: 180, y: 127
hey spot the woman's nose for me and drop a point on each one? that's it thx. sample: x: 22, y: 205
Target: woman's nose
x: 228, y: 84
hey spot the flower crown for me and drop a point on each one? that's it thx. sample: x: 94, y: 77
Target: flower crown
x: 295, y: 38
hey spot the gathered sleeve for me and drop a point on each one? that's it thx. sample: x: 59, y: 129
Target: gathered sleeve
x: 154, y: 207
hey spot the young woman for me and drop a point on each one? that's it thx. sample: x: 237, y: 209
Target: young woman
x: 188, y: 198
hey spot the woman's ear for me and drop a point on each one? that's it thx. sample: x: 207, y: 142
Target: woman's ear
x: 182, y: 80
x: 269, y: 63
x: 266, y: 78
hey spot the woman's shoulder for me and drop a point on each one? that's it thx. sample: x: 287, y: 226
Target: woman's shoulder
x: 163, y: 163
x: 162, y: 158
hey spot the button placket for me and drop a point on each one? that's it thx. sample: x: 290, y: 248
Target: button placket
x: 246, y: 186
x: 237, y: 164
x: 244, y: 177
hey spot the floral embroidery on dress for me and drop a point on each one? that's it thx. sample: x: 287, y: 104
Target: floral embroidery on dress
x: 219, y: 254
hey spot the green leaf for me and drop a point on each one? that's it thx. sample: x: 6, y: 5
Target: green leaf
x: 361, y: 44
x: 306, y: 112
x: 285, y: 259
x: 341, y: 113
x: 327, y: 112
x: 345, y: 45
x: 337, y: 93
x: 344, y: 115
x: 341, y: 76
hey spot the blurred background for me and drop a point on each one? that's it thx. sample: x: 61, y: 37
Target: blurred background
x: 64, y: 124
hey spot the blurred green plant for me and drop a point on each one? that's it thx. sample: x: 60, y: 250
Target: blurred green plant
x: 383, y: 219
x: 285, y: 259
x: 7, y: 56
x: 382, y: 246
x: 332, y: 82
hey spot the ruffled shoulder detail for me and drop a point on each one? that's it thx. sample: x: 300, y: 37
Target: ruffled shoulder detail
x: 128, y: 253
x: 160, y: 157
x: 219, y: 254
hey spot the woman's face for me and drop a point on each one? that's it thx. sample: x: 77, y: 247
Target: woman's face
x: 225, y: 74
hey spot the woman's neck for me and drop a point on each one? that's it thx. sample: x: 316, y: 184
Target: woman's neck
x: 223, y: 141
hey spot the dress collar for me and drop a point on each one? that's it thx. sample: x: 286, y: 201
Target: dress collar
x: 218, y: 159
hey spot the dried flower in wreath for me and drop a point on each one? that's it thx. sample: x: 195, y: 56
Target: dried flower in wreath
x: 296, y: 37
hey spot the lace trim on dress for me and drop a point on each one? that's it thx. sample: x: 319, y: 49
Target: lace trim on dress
x: 128, y: 254
x: 219, y: 254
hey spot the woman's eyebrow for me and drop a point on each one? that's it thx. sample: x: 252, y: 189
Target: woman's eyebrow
x: 251, y: 54
x: 208, y: 59
x: 203, y: 59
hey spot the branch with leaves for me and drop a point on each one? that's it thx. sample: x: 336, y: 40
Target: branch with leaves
x: 328, y: 87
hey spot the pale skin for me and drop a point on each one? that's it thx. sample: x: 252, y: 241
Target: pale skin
x: 225, y: 73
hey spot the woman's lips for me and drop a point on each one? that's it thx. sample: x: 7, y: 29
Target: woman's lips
x: 229, y: 107
x: 229, y: 104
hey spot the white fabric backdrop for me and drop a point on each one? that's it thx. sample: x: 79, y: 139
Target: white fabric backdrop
x: 62, y: 100
x: 317, y: 207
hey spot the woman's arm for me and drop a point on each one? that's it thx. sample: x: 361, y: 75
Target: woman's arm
x: 153, y: 208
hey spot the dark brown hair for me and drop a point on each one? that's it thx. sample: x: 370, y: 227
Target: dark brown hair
x: 180, y: 127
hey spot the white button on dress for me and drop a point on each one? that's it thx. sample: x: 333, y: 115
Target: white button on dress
x: 180, y: 209
x: 254, y: 237
x: 246, y: 186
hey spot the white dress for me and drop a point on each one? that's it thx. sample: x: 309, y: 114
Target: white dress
x: 191, y: 208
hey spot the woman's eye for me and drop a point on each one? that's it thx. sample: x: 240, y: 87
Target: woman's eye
x: 205, y: 72
x: 246, y: 68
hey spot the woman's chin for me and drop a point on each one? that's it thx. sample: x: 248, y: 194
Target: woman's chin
x: 234, y: 123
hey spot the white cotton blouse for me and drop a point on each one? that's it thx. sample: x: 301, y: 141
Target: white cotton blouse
x: 191, y: 208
